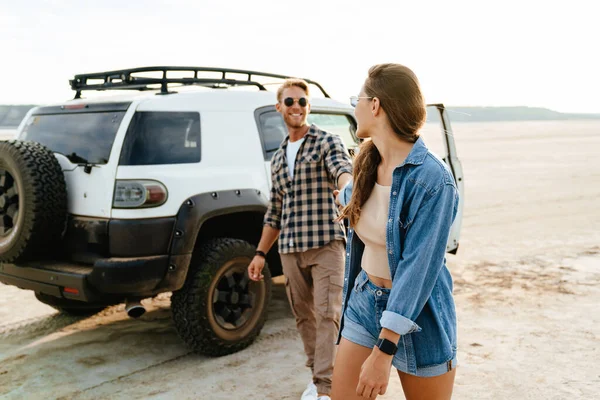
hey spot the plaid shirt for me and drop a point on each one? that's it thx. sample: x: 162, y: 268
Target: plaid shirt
x: 304, y: 208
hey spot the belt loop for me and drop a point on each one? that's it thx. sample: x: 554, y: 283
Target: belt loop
x: 361, y: 287
x: 358, y: 285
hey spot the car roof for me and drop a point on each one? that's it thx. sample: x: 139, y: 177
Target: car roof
x: 204, y: 99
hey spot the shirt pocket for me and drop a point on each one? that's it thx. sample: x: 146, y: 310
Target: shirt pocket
x: 309, y: 168
x: 313, y: 157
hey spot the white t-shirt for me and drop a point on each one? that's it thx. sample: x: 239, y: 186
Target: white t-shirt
x: 292, y: 150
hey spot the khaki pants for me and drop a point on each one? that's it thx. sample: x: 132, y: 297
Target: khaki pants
x: 313, y: 282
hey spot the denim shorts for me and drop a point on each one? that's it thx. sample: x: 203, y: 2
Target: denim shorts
x: 362, y: 326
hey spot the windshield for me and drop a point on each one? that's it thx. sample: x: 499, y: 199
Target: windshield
x: 81, y: 137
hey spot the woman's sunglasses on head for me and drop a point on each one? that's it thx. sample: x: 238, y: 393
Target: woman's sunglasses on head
x: 289, y: 101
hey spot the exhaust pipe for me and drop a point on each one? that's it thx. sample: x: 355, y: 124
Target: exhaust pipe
x: 134, y: 308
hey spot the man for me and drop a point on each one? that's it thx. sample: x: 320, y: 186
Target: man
x: 308, y: 166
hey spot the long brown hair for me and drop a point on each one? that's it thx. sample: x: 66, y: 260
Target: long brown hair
x: 399, y: 94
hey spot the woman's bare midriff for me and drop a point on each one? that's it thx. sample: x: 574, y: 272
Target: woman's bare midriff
x: 381, y: 282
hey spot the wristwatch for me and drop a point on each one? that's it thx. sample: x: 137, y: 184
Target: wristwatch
x: 387, y: 346
x: 261, y: 253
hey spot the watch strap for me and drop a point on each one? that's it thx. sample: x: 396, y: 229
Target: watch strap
x: 261, y: 253
x: 387, y: 346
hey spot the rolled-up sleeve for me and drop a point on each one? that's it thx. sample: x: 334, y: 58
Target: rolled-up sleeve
x: 337, y: 158
x: 421, y: 260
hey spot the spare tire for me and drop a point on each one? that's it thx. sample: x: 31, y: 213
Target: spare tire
x: 33, y: 201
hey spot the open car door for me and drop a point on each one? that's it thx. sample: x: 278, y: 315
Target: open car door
x: 444, y: 146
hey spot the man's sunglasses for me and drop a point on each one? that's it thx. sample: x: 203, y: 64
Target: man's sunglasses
x: 288, y: 101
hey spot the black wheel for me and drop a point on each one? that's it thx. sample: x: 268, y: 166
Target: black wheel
x: 70, y: 307
x: 33, y: 201
x: 219, y: 310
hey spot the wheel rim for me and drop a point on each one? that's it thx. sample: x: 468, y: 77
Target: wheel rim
x: 236, y: 301
x: 232, y: 300
x: 9, y: 204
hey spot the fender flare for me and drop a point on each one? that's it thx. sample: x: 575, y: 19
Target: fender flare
x: 198, y: 209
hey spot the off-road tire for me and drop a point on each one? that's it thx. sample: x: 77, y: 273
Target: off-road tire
x: 70, y: 307
x: 33, y: 201
x: 194, y: 306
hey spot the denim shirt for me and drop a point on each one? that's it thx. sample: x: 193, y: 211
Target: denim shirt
x: 423, y: 205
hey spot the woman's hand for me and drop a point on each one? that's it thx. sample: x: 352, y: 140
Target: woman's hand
x: 336, y: 195
x: 344, y: 180
x: 374, y: 375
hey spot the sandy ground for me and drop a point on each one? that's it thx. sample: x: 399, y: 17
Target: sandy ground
x: 527, y: 281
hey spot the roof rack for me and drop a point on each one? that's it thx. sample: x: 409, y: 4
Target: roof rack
x: 123, y: 79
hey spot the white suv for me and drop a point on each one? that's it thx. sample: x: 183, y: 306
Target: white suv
x: 116, y: 199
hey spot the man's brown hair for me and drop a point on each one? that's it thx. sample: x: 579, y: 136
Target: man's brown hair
x: 291, y: 82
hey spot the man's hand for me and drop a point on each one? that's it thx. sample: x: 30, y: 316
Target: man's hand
x: 255, y: 268
x: 374, y: 375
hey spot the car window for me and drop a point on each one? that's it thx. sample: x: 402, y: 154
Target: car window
x: 162, y: 138
x: 81, y: 137
x: 339, y: 124
x: 273, y: 129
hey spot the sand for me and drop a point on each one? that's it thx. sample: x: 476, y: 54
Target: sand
x: 527, y: 287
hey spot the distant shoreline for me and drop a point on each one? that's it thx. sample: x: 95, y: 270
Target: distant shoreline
x: 11, y: 115
x: 505, y: 114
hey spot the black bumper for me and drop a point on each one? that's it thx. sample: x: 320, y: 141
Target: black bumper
x: 90, y: 238
x: 108, y: 279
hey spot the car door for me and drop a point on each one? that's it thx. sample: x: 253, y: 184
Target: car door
x: 438, y: 136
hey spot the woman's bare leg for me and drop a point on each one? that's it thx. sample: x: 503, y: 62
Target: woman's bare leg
x: 346, y: 370
x: 435, y: 388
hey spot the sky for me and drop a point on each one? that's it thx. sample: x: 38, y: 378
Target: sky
x: 465, y: 53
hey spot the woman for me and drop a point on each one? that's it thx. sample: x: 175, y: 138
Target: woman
x: 397, y: 300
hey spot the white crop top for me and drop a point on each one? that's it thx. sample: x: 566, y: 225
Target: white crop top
x: 371, y: 229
